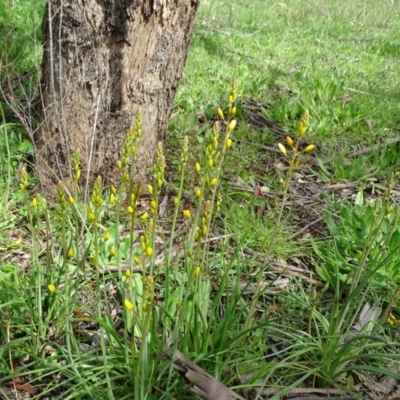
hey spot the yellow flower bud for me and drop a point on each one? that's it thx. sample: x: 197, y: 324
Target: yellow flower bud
x: 196, y: 271
x: 129, y: 306
x: 197, y: 192
x: 197, y: 167
x: 228, y: 143
x: 71, y: 200
x: 150, y: 188
x: 112, y: 198
x: 144, y: 216
x: 289, y: 141
x: 34, y: 202
x: 231, y: 99
x: 176, y: 201
x: 186, y: 214
x: 220, y: 113
x: 233, y: 111
x: 130, y: 210
x: 213, y: 182
x: 128, y: 273
x: 309, y: 148
x: 78, y: 175
x: 282, y: 148
x: 149, y: 251
x: 113, y: 251
x: 119, y: 164
x: 113, y: 190
x: 153, y: 204
x: 232, y: 125
x: 106, y: 236
x: 92, y: 217
x: 51, y: 288
x: 210, y: 162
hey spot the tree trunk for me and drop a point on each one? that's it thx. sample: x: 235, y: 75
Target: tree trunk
x: 103, y: 61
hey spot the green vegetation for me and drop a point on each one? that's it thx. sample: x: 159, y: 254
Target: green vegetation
x: 266, y: 249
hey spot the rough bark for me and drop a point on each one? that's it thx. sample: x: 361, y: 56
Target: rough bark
x: 103, y: 61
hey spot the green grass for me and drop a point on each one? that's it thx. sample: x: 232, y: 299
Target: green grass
x: 271, y: 301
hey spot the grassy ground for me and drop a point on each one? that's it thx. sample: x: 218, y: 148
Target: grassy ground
x: 293, y: 284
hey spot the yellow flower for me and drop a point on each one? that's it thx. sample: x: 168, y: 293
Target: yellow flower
x: 309, y: 148
x: 232, y: 125
x: 106, y: 236
x: 128, y: 273
x: 186, y: 214
x: 233, y: 111
x: 210, y: 162
x: 149, y: 251
x: 228, y: 143
x: 136, y: 260
x: 282, y: 148
x: 197, y: 192
x: 130, y: 210
x: 289, y: 141
x: 197, y: 167
x: 112, y: 198
x: 213, y: 182
x: 70, y: 253
x: 92, y: 217
x: 34, y: 202
x: 113, y: 190
x: 196, y: 271
x: 176, y: 201
x: 78, y: 175
x: 51, y: 288
x: 220, y: 113
x: 113, y: 251
x: 129, y: 306
x: 144, y: 216
x: 150, y: 188
x: 71, y: 200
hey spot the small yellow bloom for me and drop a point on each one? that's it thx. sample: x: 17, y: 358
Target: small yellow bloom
x: 228, y: 143
x: 197, y: 167
x: 106, y: 236
x: 78, y: 175
x: 129, y: 306
x: 196, y: 271
x: 144, y: 216
x: 233, y: 111
x: 51, y: 288
x: 210, y: 162
x: 176, y: 201
x: 113, y: 190
x: 186, y: 214
x: 70, y: 253
x: 34, y: 202
x: 128, y: 273
x: 197, y: 192
x: 113, y: 251
x: 232, y: 125
x: 150, y: 188
x: 289, y: 141
x: 213, y: 182
x: 149, y: 251
x: 136, y: 260
x: 220, y: 113
x: 309, y: 148
x: 92, y: 217
x: 112, y: 198
x: 130, y: 210
x: 282, y: 148
x: 231, y: 99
